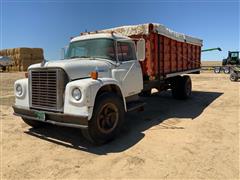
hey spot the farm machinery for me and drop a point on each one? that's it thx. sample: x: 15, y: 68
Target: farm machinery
x: 235, y: 73
x: 229, y: 63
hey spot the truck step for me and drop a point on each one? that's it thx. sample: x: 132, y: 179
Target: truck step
x: 135, y: 106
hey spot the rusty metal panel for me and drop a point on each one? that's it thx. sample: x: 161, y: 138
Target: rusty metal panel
x: 165, y: 55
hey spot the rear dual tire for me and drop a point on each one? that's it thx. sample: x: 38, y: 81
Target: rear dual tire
x: 182, y: 87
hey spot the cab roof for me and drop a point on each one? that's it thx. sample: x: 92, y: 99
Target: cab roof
x: 99, y: 35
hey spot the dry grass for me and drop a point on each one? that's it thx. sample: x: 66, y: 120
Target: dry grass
x: 211, y: 63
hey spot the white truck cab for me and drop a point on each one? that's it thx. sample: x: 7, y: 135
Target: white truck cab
x: 91, y: 88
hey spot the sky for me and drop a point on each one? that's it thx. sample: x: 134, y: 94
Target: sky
x: 51, y: 24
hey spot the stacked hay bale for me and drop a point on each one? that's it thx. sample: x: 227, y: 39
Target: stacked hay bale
x: 23, y: 57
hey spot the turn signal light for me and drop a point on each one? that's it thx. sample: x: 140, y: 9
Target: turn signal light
x: 94, y: 75
x: 26, y: 74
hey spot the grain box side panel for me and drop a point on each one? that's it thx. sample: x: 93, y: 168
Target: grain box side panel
x: 179, y: 56
x: 173, y: 56
x: 189, y: 56
x: 148, y: 60
x: 161, y: 57
x: 185, y: 56
x: 156, y: 56
x: 166, y: 58
x: 194, y: 56
x: 199, y: 56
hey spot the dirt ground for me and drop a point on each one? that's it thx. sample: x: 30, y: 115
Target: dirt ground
x: 196, y: 138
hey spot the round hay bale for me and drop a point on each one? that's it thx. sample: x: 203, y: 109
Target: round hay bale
x: 23, y: 50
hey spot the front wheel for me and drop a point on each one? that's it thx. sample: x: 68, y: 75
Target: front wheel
x: 106, y: 120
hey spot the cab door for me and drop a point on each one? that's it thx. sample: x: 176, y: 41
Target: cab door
x: 128, y: 71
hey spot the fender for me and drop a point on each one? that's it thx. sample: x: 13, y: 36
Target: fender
x: 23, y: 100
x: 89, y: 88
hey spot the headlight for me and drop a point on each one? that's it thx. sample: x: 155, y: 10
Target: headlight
x: 19, y: 90
x: 76, y: 94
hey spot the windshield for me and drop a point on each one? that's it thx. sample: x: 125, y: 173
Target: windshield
x: 234, y: 54
x: 92, y: 48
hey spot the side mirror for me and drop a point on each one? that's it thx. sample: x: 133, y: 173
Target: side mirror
x: 63, y: 52
x: 141, y: 50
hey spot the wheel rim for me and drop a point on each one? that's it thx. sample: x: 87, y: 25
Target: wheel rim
x: 232, y: 78
x: 216, y: 71
x: 107, y: 118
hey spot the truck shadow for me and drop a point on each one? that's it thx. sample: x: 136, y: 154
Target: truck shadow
x: 161, y: 112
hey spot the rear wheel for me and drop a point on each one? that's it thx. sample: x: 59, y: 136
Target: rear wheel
x: 182, y: 87
x: 233, y: 77
x: 217, y: 70
x: 227, y: 70
x: 106, y: 120
x: 33, y: 123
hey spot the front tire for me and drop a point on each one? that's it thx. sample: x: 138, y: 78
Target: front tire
x: 33, y: 123
x: 107, y: 118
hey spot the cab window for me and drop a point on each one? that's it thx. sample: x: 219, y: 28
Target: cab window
x: 126, y: 51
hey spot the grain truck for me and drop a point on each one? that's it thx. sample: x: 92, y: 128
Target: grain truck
x: 102, y: 77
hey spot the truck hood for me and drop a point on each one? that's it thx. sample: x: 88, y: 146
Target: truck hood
x: 78, y: 68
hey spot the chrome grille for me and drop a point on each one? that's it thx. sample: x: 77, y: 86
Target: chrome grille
x: 46, y: 89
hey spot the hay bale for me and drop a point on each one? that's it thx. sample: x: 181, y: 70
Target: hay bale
x: 26, y: 62
x: 37, y: 51
x: 37, y: 57
x: 23, y: 50
x: 23, y: 56
x: 10, y: 52
x: 35, y: 61
x: 14, y: 51
x: 23, y: 67
x: 4, y: 52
